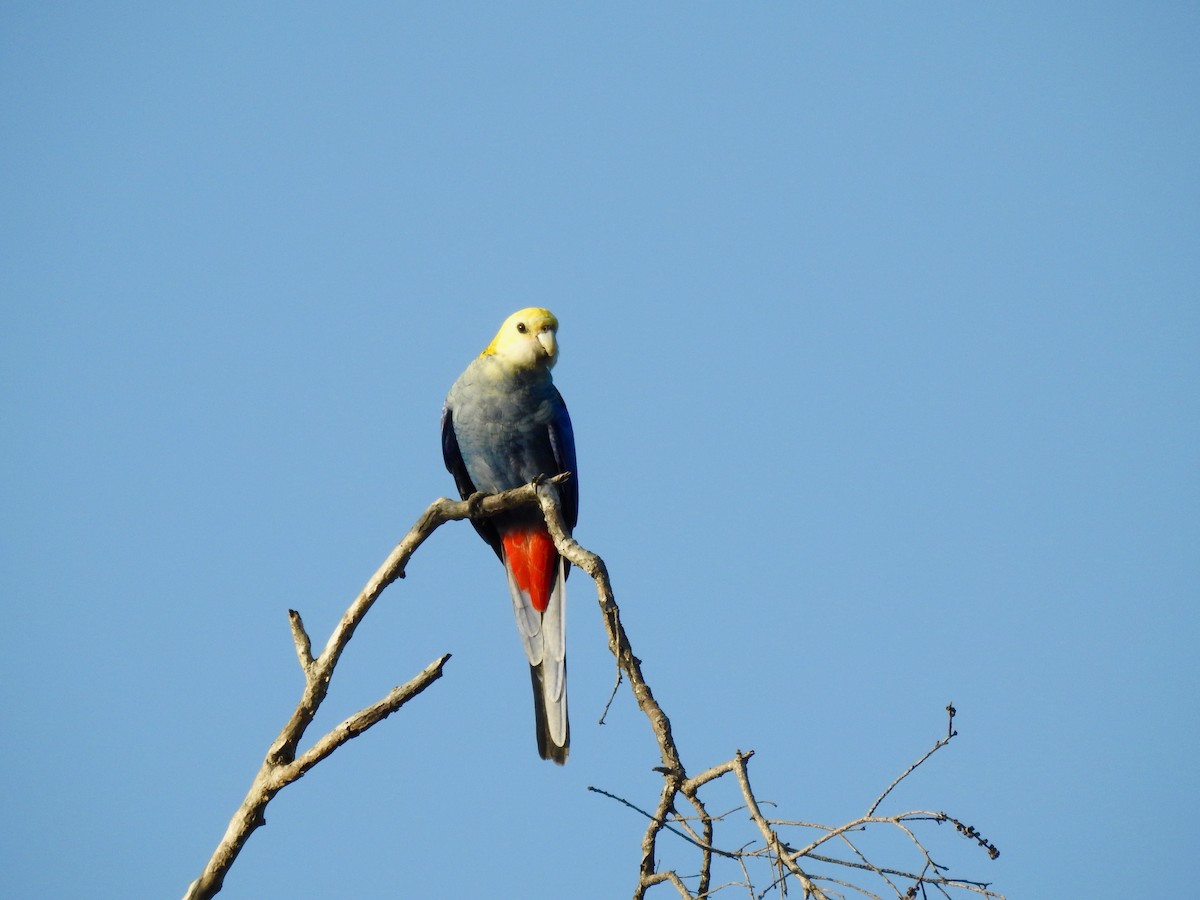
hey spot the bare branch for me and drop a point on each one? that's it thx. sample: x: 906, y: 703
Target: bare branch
x: 364, y: 719
x: 281, y: 765
x: 674, y: 879
x: 273, y: 777
x: 676, y: 781
x: 774, y: 844
x: 950, y: 733
x: 303, y: 644
x: 618, y: 644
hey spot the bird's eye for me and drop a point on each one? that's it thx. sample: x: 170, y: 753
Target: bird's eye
x: 521, y: 327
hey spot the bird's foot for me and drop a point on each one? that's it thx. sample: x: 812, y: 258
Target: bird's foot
x: 474, y: 502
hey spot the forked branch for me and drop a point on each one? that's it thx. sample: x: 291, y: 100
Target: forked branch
x: 282, y: 765
x: 784, y: 861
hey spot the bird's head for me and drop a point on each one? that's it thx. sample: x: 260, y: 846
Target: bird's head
x: 527, y: 340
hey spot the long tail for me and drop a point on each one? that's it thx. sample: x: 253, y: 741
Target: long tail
x: 537, y: 582
x: 553, y: 730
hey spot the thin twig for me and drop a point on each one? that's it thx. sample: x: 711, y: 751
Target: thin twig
x: 691, y: 839
x: 950, y: 733
x: 611, y: 697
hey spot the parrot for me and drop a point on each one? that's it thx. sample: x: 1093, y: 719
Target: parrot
x: 505, y: 424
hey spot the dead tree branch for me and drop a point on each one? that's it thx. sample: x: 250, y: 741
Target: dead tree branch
x: 282, y: 765
x: 786, y: 864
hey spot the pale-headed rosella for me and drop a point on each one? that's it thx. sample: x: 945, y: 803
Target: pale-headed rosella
x: 504, y: 425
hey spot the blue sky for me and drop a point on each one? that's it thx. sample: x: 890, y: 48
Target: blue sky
x: 879, y: 331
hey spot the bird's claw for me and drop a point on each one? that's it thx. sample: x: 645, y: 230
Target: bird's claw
x: 474, y: 502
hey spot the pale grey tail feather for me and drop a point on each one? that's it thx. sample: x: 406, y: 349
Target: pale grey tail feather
x: 547, y: 747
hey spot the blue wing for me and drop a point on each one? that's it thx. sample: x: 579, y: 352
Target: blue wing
x: 452, y: 456
x: 562, y: 445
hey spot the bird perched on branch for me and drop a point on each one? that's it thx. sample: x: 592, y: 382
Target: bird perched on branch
x: 504, y: 425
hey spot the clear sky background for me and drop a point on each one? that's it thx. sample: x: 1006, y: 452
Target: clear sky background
x: 880, y: 332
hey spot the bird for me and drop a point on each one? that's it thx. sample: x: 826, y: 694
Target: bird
x: 505, y: 424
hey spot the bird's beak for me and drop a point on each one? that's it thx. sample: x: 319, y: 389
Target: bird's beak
x: 549, y: 343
